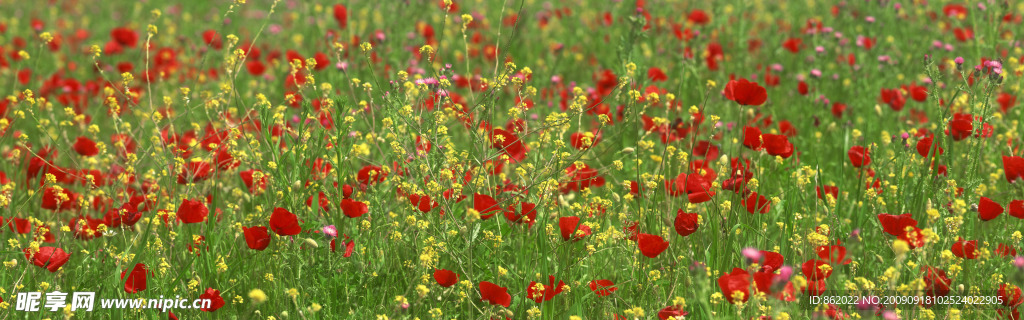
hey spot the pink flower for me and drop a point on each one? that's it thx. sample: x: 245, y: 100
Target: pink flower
x: 752, y: 254
x: 330, y: 230
x: 889, y: 315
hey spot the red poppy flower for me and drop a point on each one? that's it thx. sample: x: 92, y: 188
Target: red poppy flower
x: 527, y: 214
x: 354, y: 209
x: 763, y: 281
x: 423, y: 202
x: 925, y: 145
x: 284, y: 223
x: 192, y: 211
x: 51, y: 199
x: 136, y: 279
x: 936, y: 281
x: 837, y: 109
x: 756, y: 203
x: 86, y: 228
x: 371, y: 174
x: 834, y: 254
x: 965, y: 249
x: 212, y: 38
x: 771, y: 261
x: 745, y: 93
x: 485, y: 205
x: 629, y: 229
x: 963, y: 34
x: 1004, y: 250
x: 198, y: 244
x: 1006, y: 101
x: 651, y: 245
x: 346, y: 191
x: 787, y: 128
x: 445, y: 278
x: 494, y: 294
x: 686, y: 223
x: 988, y: 209
x: 777, y: 145
x: 954, y: 10
x: 673, y: 312
x: 1017, y: 209
x: 961, y: 126
x: 705, y: 149
x: 255, y: 67
x: 546, y: 292
x: 86, y: 147
x: 603, y: 288
x: 508, y: 143
x: 918, y: 93
x: 735, y: 285
x: 815, y: 269
x: 894, y: 98
x: 793, y: 44
x: 125, y: 37
x: 859, y: 156
x: 127, y: 214
x: 50, y: 258
x: 913, y: 237
x: 216, y: 301
x: 350, y: 246
x: 896, y: 224
x: 319, y: 168
x: 1008, y: 313
x: 1011, y: 295
x: 696, y: 187
x: 815, y: 288
x: 581, y: 178
x: 1013, y: 168
x: 321, y: 61
x: 24, y: 76
x: 19, y: 225
x: 322, y: 201
x: 828, y: 190
x: 194, y: 171
x: 752, y: 138
x: 698, y: 17
x: 341, y: 15
x: 256, y: 238
x: 656, y: 75
x: 123, y: 140
x: 568, y: 227
x: 579, y: 140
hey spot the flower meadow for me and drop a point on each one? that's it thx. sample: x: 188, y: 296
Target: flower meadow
x: 514, y: 159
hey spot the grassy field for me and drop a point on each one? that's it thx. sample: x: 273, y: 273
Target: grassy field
x: 516, y: 159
